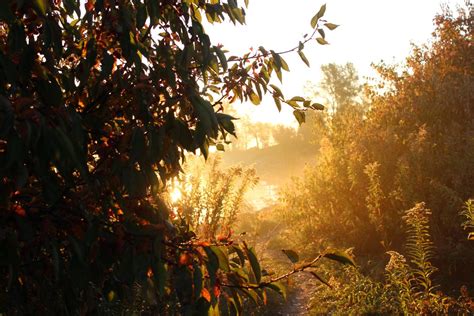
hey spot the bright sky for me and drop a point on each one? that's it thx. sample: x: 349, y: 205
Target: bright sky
x: 370, y: 31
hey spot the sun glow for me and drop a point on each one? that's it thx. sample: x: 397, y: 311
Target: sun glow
x: 175, y: 195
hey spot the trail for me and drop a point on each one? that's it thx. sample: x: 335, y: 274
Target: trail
x: 300, y: 288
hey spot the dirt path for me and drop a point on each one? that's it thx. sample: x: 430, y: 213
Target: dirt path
x: 300, y: 288
x: 300, y: 291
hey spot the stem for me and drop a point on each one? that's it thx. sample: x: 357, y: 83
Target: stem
x: 281, y: 277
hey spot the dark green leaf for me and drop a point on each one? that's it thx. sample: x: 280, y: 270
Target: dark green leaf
x: 277, y: 287
x: 222, y: 59
x: 339, y: 256
x: 254, y: 263
x: 41, y: 6
x: 141, y: 15
x: 222, y: 256
x: 292, y: 255
x: 5, y: 12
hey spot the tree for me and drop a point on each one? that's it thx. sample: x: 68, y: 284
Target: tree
x: 413, y: 143
x: 339, y: 86
x: 99, y: 102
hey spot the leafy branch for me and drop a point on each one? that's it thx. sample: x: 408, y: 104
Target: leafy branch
x: 335, y: 255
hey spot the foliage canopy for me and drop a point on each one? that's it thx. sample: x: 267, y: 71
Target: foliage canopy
x: 99, y: 101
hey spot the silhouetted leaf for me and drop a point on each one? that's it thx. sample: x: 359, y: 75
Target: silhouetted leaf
x: 331, y: 26
x: 322, y: 41
x: 223, y: 260
x: 277, y: 103
x: 277, y: 287
x: 254, y: 263
x: 317, y: 106
x: 41, y: 6
x: 317, y: 16
x: 339, y: 256
x: 254, y: 98
x: 300, y: 116
x: 291, y: 254
x: 303, y: 58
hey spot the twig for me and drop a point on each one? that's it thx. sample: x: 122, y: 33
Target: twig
x: 281, y: 277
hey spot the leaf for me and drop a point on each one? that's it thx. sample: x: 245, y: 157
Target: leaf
x: 322, y: 33
x: 321, y: 12
x: 314, y: 20
x: 254, y: 263
x: 111, y: 296
x: 250, y: 294
x: 300, y: 46
x: 277, y: 103
x: 300, y: 116
x: 222, y: 257
x: 284, y: 65
x: 90, y: 5
x: 339, y: 256
x: 298, y: 99
x: 303, y: 58
x: 196, y: 13
x: 240, y: 254
x: 67, y: 145
x: 331, y: 26
x: 320, y: 279
x: 291, y: 254
x: 254, y: 97
x: 277, y: 92
x: 225, y: 121
x: 141, y: 16
x: 206, y: 295
x: 322, y: 41
x: 317, y: 106
x: 222, y: 59
x: 276, y: 61
x: 5, y: 12
x: 277, y: 287
x: 42, y: 6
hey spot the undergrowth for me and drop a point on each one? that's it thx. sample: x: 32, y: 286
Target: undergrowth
x: 406, y: 286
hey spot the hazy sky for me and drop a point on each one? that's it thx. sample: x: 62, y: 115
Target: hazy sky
x: 370, y: 31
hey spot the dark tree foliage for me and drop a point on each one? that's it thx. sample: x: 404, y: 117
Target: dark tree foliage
x: 99, y: 102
